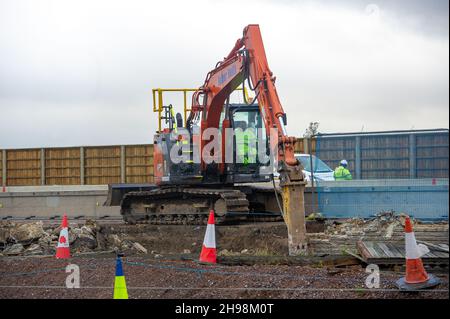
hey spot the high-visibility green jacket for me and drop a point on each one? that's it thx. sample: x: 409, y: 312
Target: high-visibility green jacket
x: 246, y: 145
x: 342, y: 174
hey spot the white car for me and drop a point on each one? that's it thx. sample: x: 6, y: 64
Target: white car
x: 322, y: 172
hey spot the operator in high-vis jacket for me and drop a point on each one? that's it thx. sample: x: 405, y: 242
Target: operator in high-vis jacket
x: 341, y: 173
x: 245, y: 143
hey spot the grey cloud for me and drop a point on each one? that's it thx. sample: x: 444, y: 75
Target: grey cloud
x: 427, y: 16
x: 79, y: 72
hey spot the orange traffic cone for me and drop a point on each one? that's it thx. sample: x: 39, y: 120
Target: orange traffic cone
x: 62, y: 251
x: 416, y: 276
x: 208, y: 254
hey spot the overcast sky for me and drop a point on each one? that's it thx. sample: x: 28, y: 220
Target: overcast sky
x: 81, y: 72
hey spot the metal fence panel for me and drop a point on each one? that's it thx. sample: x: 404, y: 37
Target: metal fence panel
x: 432, y: 155
x: 410, y: 154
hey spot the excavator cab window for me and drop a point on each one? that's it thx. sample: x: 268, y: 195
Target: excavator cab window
x: 222, y: 117
x: 179, y: 120
x: 250, y: 122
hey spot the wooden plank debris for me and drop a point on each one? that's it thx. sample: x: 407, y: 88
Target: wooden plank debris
x: 386, y: 253
x: 440, y: 247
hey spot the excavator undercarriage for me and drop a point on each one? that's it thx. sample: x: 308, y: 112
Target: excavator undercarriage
x: 191, y: 205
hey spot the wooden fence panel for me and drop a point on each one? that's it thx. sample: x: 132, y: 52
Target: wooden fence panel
x: 62, y: 166
x: 139, y: 164
x: 23, y: 167
x: 1, y: 167
x: 300, y: 146
x: 102, y: 165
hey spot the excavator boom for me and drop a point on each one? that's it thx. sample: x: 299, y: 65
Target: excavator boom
x: 247, y: 60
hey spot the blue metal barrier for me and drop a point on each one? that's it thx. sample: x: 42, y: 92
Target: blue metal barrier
x: 426, y: 199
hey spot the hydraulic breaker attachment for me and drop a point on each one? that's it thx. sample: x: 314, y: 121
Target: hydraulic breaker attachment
x: 293, y: 186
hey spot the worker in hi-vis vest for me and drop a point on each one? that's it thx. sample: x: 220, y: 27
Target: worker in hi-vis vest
x: 341, y: 173
x: 245, y: 144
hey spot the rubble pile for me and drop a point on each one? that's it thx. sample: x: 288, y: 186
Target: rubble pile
x: 336, y: 237
x: 342, y: 236
x: 383, y: 225
x: 37, y: 238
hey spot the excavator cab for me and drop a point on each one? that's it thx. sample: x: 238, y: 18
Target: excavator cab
x: 250, y: 151
x: 246, y: 155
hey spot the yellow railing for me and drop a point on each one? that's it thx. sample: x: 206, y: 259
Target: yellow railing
x: 158, y: 101
x: 158, y: 106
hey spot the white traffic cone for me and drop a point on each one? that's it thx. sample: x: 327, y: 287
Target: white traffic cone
x: 416, y: 276
x: 63, y: 251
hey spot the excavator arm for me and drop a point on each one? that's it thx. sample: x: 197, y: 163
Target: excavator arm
x: 247, y: 61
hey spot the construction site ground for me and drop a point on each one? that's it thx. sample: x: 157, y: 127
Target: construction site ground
x: 161, y: 261
x: 147, y: 277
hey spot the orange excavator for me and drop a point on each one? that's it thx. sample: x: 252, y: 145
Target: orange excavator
x: 191, y: 177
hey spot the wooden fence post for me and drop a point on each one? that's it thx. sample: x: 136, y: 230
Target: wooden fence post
x: 81, y: 165
x: 122, y: 164
x: 4, y: 168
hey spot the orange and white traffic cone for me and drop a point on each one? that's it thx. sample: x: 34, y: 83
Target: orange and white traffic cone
x: 62, y: 251
x: 208, y: 254
x: 416, y: 276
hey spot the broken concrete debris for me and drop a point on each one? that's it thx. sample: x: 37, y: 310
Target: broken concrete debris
x: 26, y: 233
x: 139, y: 248
x: 15, y: 249
x: 36, y: 238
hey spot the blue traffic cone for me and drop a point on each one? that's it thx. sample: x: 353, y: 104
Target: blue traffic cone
x: 120, y: 285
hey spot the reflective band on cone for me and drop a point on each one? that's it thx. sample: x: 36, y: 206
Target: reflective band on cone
x: 209, y: 254
x: 63, y: 251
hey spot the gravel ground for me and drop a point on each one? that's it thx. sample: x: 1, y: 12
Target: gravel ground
x: 44, y: 277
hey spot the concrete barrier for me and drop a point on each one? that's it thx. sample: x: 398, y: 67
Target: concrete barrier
x: 48, y: 201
